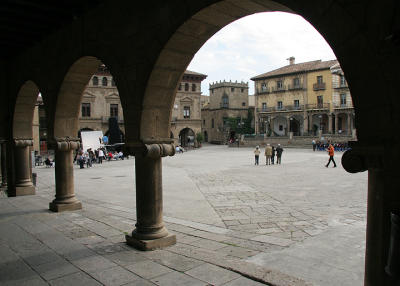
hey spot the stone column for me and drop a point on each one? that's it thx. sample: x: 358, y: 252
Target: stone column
x: 336, y: 124
x: 4, y: 164
x: 64, y: 170
x: 349, y: 123
x: 287, y: 125
x: 22, y: 168
x: 271, y: 124
x: 305, y: 124
x: 330, y: 123
x: 150, y: 232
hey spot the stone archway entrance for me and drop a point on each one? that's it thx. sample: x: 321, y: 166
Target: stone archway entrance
x: 205, y: 136
x: 187, y: 137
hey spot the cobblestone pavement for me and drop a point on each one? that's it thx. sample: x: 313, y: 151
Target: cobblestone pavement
x: 233, y: 221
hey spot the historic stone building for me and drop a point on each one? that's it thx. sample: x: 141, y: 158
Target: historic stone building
x: 186, y: 113
x: 310, y: 98
x: 227, y: 100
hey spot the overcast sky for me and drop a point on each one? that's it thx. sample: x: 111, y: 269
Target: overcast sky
x: 257, y: 44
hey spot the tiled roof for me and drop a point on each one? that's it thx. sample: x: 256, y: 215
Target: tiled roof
x: 188, y: 72
x: 295, y: 68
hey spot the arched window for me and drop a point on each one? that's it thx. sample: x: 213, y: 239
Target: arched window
x: 95, y: 80
x: 193, y: 87
x: 105, y: 81
x: 186, y: 87
x: 225, y: 101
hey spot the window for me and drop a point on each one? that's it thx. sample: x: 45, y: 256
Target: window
x: 242, y: 90
x: 342, y: 80
x: 186, y: 112
x: 279, y: 105
x: 193, y: 87
x: 232, y: 89
x: 212, y: 123
x: 243, y: 103
x: 279, y: 84
x: 264, y: 87
x: 296, y: 103
x: 186, y: 87
x: 114, y: 110
x: 343, y: 99
x: 104, y: 81
x: 112, y: 82
x: 280, y: 127
x: 320, y: 101
x: 95, y: 80
x: 85, y: 109
x: 319, y: 79
x: 225, y: 101
x: 296, y: 82
x: 264, y: 106
x: 204, y: 122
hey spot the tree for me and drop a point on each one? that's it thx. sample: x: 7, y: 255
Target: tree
x: 199, y: 137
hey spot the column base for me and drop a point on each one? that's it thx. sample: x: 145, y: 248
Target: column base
x: 153, y: 244
x: 65, y: 207
x: 25, y: 191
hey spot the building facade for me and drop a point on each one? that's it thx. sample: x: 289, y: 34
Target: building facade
x: 226, y: 100
x: 310, y: 98
x: 186, y: 112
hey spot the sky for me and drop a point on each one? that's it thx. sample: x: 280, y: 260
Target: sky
x: 257, y: 44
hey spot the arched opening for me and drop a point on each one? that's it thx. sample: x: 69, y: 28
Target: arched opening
x: 25, y: 132
x: 174, y: 48
x: 205, y: 136
x: 186, y: 137
x: 295, y: 125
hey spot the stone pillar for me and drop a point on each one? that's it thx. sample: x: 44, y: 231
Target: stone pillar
x: 150, y: 232
x: 336, y: 124
x: 287, y: 125
x: 305, y: 124
x: 330, y: 123
x: 271, y: 124
x: 22, y: 167
x: 64, y: 170
x: 4, y: 164
x: 349, y: 124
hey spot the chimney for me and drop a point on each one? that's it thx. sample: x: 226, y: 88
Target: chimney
x: 291, y: 60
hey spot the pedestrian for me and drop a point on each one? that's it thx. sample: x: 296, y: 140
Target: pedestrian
x: 331, y: 153
x: 256, y: 155
x: 314, y: 145
x: 273, y: 155
x: 268, y: 154
x: 279, y: 151
x: 101, y: 156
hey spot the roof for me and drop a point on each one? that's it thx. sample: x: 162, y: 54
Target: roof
x: 297, y: 68
x: 188, y: 72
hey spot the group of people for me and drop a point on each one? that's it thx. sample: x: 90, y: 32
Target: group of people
x: 321, y: 146
x: 270, y: 153
x: 89, y: 157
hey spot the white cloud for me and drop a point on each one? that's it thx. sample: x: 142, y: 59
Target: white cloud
x: 257, y: 44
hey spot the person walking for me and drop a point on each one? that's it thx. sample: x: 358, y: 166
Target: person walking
x: 101, y: 156
x: 331, y: 153
x: 256, y: 155
x: 279, y: 151
x: 314, y: 145
x: 268, y: 154
x: 273, y: 155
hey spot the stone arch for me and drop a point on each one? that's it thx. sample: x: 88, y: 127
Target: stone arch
x: 187, y: 136
x: 70, y: 96
x: 24, y: 110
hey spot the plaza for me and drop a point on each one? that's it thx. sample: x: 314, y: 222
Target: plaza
x: 297, y: 223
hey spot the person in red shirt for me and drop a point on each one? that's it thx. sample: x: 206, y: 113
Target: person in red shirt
x: 331, y: 153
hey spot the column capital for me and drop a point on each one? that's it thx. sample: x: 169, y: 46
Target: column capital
x: 363, y: 157
x: 23, y: 142
x: 64, y: 143
x: 153, y: 150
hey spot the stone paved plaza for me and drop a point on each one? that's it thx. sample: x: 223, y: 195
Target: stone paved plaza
x: 298, y: 223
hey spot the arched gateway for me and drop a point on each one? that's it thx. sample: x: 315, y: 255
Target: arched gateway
x: 148, y: 48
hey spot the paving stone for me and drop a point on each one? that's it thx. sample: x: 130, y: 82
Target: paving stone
x: 124, y: 258
x: 207, y: 244
x: 171, y: 279
x: 55, y: 269
x: 212, y: 274
x: 75, y: 279
x: 140, y: 282
x: 148, y: 269
x: 239, y: 252
x: 273, y: 240
x: 114, y: 276
x: 93, y: 263
x: 174, y: 261
x: 242, y: 281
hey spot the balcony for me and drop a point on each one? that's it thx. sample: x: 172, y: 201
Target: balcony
x: 319, y: 86
x: 343, y: 105
x: 340, y: 85
x: 263, y: 90
x: 278, y: 89
x: 266, y: 109
x: 224, y: 105
x: 296, y: 87
x: 318, y: 106
x: 295, y: 107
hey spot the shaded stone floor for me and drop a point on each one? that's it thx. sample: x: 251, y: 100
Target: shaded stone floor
x: 233, y: 221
